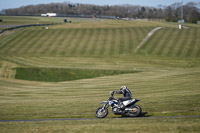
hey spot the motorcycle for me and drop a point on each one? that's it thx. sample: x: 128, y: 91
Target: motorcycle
x: 119, y: 108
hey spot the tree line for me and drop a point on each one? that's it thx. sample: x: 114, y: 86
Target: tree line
x: 172, y: 13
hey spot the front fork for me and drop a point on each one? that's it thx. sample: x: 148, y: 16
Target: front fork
x: 105, y: 106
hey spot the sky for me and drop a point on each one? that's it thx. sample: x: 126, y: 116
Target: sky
x: 5, y: 4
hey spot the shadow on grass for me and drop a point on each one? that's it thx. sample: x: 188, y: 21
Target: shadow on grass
x: 142, y: 115
x: 145, y: 114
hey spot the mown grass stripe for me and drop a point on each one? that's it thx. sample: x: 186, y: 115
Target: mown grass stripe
x: 165, y: 43
x: 99, y: 42
x: 122, y: 42
x: 146, y: 31
x: 84, y: 41
x: 136, y: 39
x: 196, y: 52
x: 6, y: 39
x: 133, y: 39
x: 159, y: 49
x: 169, y: 43
x: 94, y: 42
x: 135, y: 32
x: 63, y: 34
x: 153, y: 42
x: 65, y: 40
x: 82, y: 35
x: 131, y: 35
x: 179, y: 42
x: 18, y: 43
x: 23, y: 42
x: 186, y: 44
x: 113, y: 42
x: 53, y: 49
x: 73, y: 43
x: 182, y: 44
x: 42, y: 43
x: 86, y: 44
x: 38, y: 42
x: 52, y: 42
x: 105, y: 41
x: 127, y: 37
x: 141, y: 34
x: 117, y: 43
x: 90, y: 43
x: 192, y: 43
x: 175, y: 42
x: 12, y: 42
x: 68, y: 42
x: 108, y: 42
x: 27, y: 41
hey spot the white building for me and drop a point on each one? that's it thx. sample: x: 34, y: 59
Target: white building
x: 44, y: 15
x: 49, y: 15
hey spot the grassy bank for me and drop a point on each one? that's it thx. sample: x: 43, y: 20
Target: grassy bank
x: 162, y: 93
x: 174, y: 43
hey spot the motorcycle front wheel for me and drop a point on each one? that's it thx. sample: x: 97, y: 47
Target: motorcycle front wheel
x: 135, y: 112
x: 101, y: 112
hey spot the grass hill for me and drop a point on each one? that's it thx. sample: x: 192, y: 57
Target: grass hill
x: 173, y: 42
x: 101, y: 54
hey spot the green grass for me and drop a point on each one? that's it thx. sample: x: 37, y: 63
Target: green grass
x: 56, y: 74
x: 167, y: 84
x: 174, y: 125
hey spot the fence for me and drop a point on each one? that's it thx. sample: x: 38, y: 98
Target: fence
x: 22, y: 26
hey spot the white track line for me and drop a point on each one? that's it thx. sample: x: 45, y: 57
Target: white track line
x: 147, y: 37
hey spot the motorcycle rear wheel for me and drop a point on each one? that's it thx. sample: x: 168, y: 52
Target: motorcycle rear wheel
x: 101, y: 112
x: 135, y: 112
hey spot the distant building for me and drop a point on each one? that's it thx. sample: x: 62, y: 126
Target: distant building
x: 49, y: 15
x: 181, y: 21
x: 44, y: 15
x: 198, y: 22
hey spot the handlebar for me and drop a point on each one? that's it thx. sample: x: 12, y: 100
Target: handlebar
x: 112, y: 93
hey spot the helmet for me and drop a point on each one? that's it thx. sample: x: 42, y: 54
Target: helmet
x: 123, y: 88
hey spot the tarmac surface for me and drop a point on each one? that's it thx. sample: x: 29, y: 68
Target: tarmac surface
x: 75, y: 119
x: 8, y: 26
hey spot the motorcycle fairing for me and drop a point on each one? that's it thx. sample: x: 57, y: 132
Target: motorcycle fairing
x: 130, y: 102
x: 112, y: 102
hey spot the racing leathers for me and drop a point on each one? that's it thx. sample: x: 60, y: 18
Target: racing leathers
x: 126, y: 94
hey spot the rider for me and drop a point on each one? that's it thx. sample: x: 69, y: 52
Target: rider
x: 126, y: 93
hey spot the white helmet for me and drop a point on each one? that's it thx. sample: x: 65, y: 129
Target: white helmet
x: 123, y: 88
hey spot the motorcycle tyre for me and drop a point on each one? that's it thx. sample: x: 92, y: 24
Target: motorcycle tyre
x: 106, y: 113
x: 139, y: 111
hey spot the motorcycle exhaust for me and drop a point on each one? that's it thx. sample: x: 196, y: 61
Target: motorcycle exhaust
x: 131, y: 109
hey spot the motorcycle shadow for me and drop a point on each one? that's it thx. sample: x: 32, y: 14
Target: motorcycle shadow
x: 143, y: 114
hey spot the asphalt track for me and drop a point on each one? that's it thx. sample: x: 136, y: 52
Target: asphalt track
x: 75, y: 119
